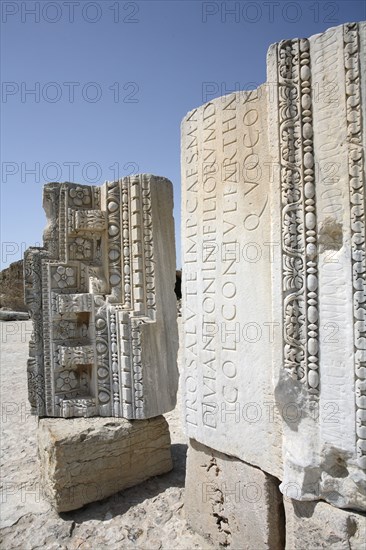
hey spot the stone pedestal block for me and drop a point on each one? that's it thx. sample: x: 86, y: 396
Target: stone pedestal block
x: 232, y: 503
x: 320, y: 525
x: 87, y: 459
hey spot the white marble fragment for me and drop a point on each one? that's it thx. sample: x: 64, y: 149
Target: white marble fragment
x: 274, y: 265
x: 318, y: 215
x: 227, y: 255
x: 101, y: 293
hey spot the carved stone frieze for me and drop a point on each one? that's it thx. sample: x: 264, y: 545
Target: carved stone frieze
x: 274, y: 269
x: 101, y: 293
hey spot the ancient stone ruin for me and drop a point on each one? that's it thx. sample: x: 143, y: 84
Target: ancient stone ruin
x: 101, y: 293
x: 105, y: 341
x: 12, y: 288
x: 274, y: 300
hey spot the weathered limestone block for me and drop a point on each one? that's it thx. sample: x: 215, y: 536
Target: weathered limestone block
x: 12, y: 288
x: 101, y: 293
x: 320, y: 525
x: 232, y: 503
x: 87, y: 459
x: 274, y: 269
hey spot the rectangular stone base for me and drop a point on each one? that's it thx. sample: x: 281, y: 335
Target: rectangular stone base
x: 87, y: 459
x: 232, y: 503
x: 320, y: 525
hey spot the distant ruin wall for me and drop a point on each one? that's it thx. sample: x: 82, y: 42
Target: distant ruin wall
x: 12, y: 287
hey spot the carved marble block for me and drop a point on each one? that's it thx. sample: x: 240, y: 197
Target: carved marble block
x: 226, y: 245
x: 101, y: 293
x: 318, y: 213
x: 274, y: 267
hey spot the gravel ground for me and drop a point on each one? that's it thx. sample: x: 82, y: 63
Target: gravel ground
x: 148, y: 516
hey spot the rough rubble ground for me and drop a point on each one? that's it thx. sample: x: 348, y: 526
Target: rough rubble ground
x: 148, y: 516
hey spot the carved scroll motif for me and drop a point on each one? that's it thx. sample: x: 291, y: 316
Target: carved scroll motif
x: 299, y: 242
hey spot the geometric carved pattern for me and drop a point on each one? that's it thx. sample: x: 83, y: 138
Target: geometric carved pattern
x: 90, y: 289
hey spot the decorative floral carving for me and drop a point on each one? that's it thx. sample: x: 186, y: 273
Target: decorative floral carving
x: 290, y: 189
x: 66, y: 381
x: 33, y: 293
x: 148, y: 250
x: 80, y: 196
x: 293, y: 236
x: 81, y: 249
x: 73, y: 303
x: 90, y: 220
x: 299, y: 266
x: 97, y: 281
x: 68, y: 330
x: 74, y: 356
x: 64, y: 330
x: 68, y: 408
x: 289, y: 108
x: 65, y: 277
x: 292, y: 273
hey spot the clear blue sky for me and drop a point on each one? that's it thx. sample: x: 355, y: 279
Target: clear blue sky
x: 113, y: 80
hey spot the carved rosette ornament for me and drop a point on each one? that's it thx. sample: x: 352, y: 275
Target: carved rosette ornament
x: 299, y: 242
x: 92, y: 293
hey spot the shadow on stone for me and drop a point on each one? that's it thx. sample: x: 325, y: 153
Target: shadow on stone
x: 120, y: 503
